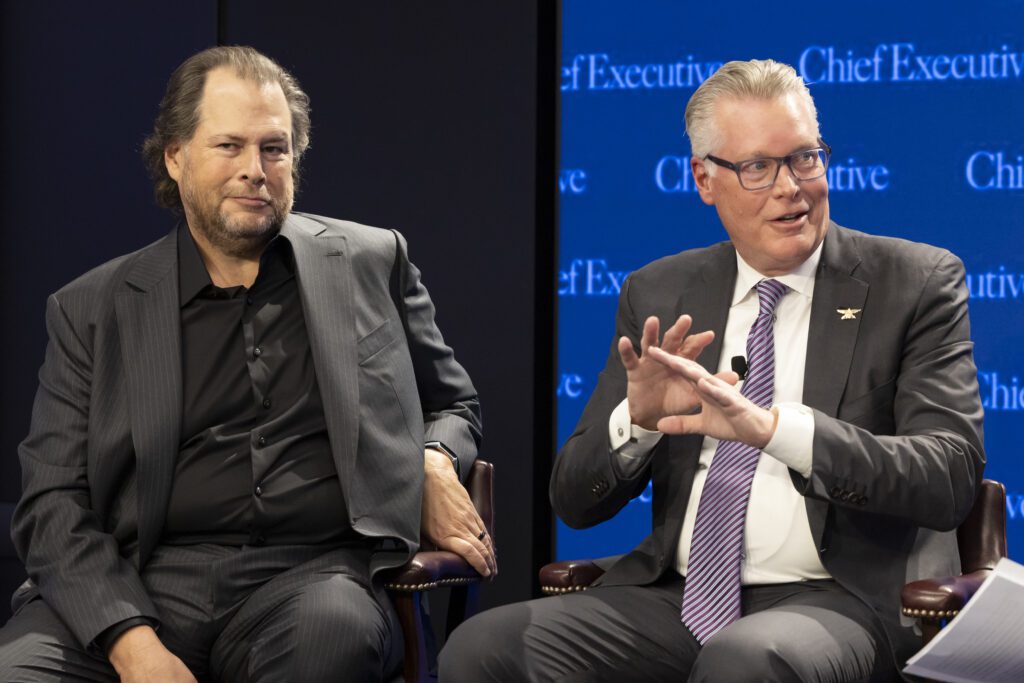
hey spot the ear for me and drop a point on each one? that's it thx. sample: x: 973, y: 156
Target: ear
x: 174, y: 157
x: 702, y: 181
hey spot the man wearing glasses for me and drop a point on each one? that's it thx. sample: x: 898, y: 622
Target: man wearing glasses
x: 790, y: 507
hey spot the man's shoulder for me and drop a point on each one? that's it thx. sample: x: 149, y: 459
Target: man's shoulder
x: 356, y: 234
x: 684, y: 264
x: 103, y: 280
x: 880, y: 254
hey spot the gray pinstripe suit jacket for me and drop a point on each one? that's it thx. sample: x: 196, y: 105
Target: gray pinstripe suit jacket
x: 898, y: 452
x: 99, y: 459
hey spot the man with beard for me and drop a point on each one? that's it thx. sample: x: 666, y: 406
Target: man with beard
x: 238, y: 426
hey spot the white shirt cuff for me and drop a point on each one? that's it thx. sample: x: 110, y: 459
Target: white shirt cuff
x: 629, y: 441
x: 792, y: 444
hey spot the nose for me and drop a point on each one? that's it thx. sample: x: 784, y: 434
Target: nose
x: 786, y: 184
x: 252, y: 166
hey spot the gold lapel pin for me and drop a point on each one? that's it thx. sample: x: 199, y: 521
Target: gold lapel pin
x: 848, y: 313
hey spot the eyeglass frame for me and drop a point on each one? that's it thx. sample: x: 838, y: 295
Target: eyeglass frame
x: 735, y: 167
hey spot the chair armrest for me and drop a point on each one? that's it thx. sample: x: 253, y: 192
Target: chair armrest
x: 480, y: 485
x: 568, y: 576
x: 430, y: 569
x: 982, y: 536
x: 941, y: 598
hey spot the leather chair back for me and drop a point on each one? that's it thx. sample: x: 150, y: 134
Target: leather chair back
x: 982, y: 536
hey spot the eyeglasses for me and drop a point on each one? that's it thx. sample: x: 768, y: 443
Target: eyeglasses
x: 761, y: 173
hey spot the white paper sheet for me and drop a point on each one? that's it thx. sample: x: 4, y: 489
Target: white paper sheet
x: 985, y: 642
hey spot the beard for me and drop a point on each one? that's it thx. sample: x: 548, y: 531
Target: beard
x: 240, y: 235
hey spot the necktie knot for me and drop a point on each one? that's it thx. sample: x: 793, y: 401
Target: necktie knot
x: 769, y: 292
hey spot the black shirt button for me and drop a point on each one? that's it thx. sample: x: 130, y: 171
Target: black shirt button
x: 248, y: 300
x: 261, y: 440
x: 266, y: 403
x: 258, y: 491
x: 257, y: 352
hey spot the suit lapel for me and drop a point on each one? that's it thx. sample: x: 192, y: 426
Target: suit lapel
x: 707, y: 300
x: 710, y: 310
x: 149, y: 324
x: 324, y: 273
x: 831, y: 340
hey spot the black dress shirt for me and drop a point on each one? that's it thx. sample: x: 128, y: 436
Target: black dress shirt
x: 254, y: 462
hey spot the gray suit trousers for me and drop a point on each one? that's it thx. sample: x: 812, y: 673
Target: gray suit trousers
x: 810, y: 631
x: 276, y: 613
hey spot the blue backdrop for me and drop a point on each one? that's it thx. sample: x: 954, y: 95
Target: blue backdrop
x: 923, y: 107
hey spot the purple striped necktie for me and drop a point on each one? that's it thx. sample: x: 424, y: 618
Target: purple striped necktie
x: 711, y: 598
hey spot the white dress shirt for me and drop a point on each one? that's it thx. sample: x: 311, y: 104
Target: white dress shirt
x: 778, y: 546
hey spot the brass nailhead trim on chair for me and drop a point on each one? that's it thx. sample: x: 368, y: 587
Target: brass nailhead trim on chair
x: 552, y: 590
x: 413, y: 587
x: 930, y: 613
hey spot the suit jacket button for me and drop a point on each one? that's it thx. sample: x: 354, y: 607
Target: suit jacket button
x: 835, y: 492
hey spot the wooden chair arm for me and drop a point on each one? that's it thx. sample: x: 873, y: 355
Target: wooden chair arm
x: 941, y: 598
x: 568, y: 576
x: 428, y: 570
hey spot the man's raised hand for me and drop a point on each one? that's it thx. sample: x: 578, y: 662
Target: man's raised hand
x: 655, y: 390
x: 724, y: 413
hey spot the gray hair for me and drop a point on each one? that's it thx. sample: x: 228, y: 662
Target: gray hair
x: 178, y: 115
x: 761, y: 79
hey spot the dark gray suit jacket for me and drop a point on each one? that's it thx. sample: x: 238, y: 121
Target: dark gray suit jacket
x: 898, y: 453
x: 98, y: 463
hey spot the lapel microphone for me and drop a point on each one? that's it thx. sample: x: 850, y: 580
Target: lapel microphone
x: 739, y: 366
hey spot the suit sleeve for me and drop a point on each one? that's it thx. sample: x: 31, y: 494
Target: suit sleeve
x: 74, y: 563
x: 451, y: 409
x: 588, y: 484
x: 925, y: 465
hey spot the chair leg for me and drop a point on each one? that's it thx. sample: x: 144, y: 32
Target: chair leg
x: 929, y: 629
x: 463, y: 603
x: 408, y: 607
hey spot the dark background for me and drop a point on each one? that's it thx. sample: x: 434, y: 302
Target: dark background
x: 437, y: 119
